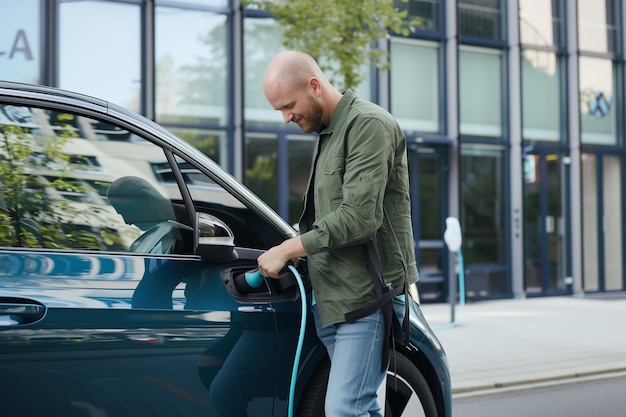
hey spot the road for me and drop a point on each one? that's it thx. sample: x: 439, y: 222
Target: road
x: 590, y: 397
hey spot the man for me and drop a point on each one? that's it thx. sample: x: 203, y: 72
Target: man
x: 358, y: 192
x: 139, y: 203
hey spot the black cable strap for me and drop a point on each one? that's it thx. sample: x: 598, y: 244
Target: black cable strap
x: 394, y: 331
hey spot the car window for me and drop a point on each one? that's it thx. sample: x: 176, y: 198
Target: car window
x: 72, y: 182
x: 71, y: 186
x: 249, y: 228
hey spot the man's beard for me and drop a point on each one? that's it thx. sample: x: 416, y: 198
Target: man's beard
x: 315, y: 116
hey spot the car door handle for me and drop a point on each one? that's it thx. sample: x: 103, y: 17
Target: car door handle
x: 19, y: 311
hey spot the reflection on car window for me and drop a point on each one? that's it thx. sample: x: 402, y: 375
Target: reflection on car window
x: 141, y: 204
x: 56, y: 170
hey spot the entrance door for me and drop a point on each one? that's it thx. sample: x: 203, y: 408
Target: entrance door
x: 429, y: 190
x: 544, y: 225
x: 602, y: 222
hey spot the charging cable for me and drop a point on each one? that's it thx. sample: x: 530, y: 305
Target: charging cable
x: 296, y: 360
x: 248, y: 282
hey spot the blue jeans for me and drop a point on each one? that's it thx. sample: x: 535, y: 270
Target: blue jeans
x: 355, y: 351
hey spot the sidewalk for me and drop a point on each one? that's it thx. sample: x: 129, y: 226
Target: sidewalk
x: 502, y: 343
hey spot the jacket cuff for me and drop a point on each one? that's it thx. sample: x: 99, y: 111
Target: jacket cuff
x: 310, y: 242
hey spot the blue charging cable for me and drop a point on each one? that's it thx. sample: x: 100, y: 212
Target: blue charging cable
x: 253, y: 279
x: 296, y: 360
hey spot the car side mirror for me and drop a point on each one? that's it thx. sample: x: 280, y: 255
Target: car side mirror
x: 216, y: 242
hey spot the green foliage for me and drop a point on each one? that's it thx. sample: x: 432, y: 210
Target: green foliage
x: 22, y: 197
x: 205, y: 142
x: 263, y: 168
x: 340, y: 34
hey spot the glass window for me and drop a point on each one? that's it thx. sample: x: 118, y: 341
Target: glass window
x: 262, y: 40
x: 191, y: 66
x: 300, y: 159
x: 19, y: 46
x: 480, y: 85
x: 97, y: 61
x: 415, y: 85
x: 541, y: 96
x: 210, y: 3
x: 480, y: 19
x: 261, y: 165
x: 426, y: 11
x: 540, y: 22
x: 212, y: 143
x: 483, y: 211
x: 597, y: 113
x: 483, y: 207
x: 249, y: 228
x: 362, y: 90
x: 597, y: 30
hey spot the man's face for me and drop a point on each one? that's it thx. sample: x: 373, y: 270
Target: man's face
x: 142, y: 213
x: 298, y: 106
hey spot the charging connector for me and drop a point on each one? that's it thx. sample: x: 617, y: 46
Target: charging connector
x: 249, y: 281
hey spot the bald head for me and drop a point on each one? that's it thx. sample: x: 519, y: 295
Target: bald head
x: 139, y: 202
x: 291, y: 69
x: 295, y: 85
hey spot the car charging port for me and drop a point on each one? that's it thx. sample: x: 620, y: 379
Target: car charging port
x: 248, y: 285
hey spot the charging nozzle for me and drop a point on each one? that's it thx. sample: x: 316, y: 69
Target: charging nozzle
x: 249, y: 281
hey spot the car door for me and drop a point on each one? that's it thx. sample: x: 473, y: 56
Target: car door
x: 104, y: 313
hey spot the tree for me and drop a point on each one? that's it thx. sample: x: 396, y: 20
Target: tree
x: 341, y: 34
x: 22, y: 197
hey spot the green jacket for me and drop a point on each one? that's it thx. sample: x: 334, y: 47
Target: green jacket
x: 360, y: 189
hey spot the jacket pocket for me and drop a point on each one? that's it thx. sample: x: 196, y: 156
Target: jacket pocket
x: 329, y: 182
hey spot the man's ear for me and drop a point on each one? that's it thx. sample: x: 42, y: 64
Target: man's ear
x: 315, y: 85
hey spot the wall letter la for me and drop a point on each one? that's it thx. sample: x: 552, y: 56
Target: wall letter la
x: 21, y: 45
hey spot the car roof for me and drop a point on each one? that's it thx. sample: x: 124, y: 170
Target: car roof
x: 22, y: 88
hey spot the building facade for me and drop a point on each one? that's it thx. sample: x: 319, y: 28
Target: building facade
x: 513, y: 112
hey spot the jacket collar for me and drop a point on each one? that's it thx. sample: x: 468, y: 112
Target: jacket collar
x: 342, y: 108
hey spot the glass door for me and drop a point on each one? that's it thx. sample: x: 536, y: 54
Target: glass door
x: 544, y: 225
x: 428, y: 168
x: 602, y: 223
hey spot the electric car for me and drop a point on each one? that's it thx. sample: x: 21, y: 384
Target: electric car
x: 121, y: 250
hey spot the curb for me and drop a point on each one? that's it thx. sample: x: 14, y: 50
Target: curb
x: 490, y: 388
